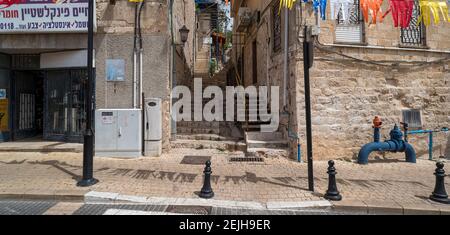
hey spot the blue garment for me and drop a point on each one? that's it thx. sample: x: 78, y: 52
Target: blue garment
x: 322, y: 5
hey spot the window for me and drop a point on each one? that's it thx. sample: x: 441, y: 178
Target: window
x: 276, y: 22
x: 414, y: 35
x: 413, y: 117
x: 353, y: 31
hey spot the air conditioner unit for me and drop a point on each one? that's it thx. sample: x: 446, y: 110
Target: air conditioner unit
x: 245, y: 18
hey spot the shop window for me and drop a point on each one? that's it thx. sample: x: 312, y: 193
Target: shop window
x: 352, y: 31
x: 276, y: 22
x: 414, y: 34
x: 413, y: 117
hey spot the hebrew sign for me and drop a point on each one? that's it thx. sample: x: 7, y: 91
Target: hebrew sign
x: 41, y: 16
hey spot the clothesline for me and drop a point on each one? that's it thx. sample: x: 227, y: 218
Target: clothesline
x: 401, y: 10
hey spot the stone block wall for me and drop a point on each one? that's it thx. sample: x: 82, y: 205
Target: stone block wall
x: 347, y: 94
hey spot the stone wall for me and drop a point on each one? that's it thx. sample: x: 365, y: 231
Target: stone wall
x: 347, y: 94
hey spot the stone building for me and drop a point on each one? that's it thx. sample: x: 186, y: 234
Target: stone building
x: 360, y: 71
x: 43, y: 63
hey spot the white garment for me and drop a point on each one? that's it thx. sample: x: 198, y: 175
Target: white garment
x: 338, y: 5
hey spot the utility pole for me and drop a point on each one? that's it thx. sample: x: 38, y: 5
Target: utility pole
x: 88, y: 147
x: 308, y: 60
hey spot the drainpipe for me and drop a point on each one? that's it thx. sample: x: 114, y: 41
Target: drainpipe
x: 135, y: 57
x: 173, y: 70
x: 141, y: 50
x: 286, y: 56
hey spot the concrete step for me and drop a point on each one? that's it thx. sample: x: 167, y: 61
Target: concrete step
x: 206, y: 144
x: 189, y: 130
x: 261, y: 136
x: 272, y: 144
x: 211, y: 137
x: 204, y: 125
x: 264, y: 152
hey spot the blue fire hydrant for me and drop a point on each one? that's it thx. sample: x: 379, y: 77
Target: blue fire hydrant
x: 395, y: 144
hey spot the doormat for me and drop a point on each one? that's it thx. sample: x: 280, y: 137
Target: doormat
x: 195, y: 160
x: 190, y: 210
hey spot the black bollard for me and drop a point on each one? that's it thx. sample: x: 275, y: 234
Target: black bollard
x: 207, y: 191
x: 332, y: 193
x: 440, y: 194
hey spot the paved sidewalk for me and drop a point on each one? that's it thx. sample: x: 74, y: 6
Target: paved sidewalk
x: 390, y: 185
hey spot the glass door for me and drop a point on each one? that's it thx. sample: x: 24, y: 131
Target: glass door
x: 65, y: 105
x: 57, y: 105
x: 77, y: 110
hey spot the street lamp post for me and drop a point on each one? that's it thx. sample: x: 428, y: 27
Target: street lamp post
x: 308, y: 59
x: 88, y: 147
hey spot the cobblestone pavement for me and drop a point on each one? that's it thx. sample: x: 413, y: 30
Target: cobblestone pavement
x: 389, y: 182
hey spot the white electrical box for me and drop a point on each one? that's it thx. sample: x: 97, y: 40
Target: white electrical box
x: 153, y: 127
x: 118, y: 133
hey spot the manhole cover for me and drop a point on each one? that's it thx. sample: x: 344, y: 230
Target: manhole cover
x: 191, y: 210
x: 246, y: 159
x: 195, y: 160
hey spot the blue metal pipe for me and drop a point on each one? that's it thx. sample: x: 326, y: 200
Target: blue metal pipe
x: 376, y: 134
x: 395, y: 144
x: 430, y: 146
x: 299, y: 153
x: 363, y: 157
x: 388, y: 146
x: 430, y: 138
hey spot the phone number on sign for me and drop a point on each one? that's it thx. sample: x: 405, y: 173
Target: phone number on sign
x: 6, y: 25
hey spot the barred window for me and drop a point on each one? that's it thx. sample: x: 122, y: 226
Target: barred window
x: 276, y: 22
x: 352, y: 31
x: 413, y: 117
x: 414, y: 35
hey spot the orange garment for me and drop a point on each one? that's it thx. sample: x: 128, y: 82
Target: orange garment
x: 372, y: 8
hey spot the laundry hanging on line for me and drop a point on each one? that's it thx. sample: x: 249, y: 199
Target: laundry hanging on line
x: 372, y: 8
x: 343, y: 6
x: 320, y: 5
x: 434, y: 8
x: 402, y: 11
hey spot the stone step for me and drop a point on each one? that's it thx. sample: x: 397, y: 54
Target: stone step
x: 210, y: 137
x: 273, y: 144
x: 262, y: 136
x: 206, y: 144
x: 264, y: 152
x: 199, y: 124
x: 189, y: 130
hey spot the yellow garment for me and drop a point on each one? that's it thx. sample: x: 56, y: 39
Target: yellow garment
x: 287, y: 3
x: 430, y: 8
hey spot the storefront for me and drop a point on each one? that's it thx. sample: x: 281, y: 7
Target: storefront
x: 42, y: 70
x: 42, y: 96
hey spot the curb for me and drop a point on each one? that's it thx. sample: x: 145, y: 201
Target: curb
x: 44, y: 197
x: 350, y: 206
x: 102, y: 197
x: 391, y: 208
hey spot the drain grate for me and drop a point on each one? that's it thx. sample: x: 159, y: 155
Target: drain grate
x: 246, y: 159
x: 191, y: 210
x: 195, y: 160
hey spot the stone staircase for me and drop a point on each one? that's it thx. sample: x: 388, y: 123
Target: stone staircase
x: 256, y: 140
x: 202, y: 61
x: 265, y: 142
x: 224, y: 135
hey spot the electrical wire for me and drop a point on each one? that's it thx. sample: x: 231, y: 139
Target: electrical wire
x: 393, y: 63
